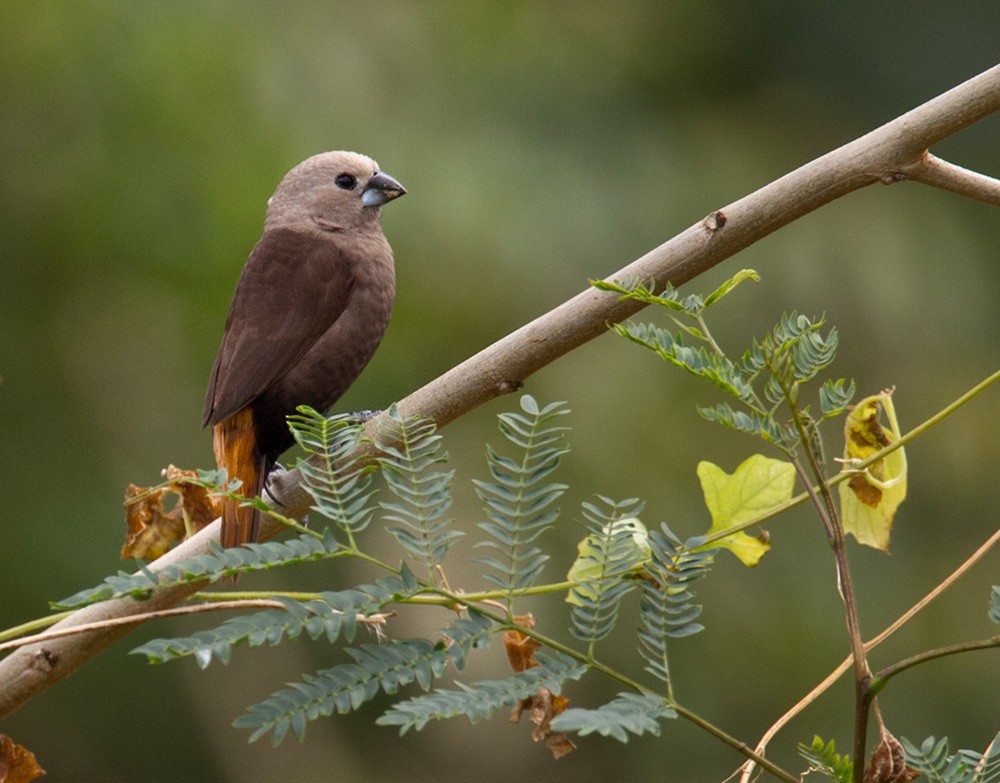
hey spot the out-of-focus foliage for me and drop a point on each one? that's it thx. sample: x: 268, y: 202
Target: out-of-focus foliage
x: 542, y: 145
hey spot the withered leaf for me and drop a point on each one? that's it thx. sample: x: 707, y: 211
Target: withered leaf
x: 865, y: 492
x: 542, y: 706
x: 870, y: 497
x: 152, y: 528
x: 17, y: 763
x: 887, y: 764
x: 519, y: 646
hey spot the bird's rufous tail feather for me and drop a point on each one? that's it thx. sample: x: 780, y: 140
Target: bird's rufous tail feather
x: 235, y: 450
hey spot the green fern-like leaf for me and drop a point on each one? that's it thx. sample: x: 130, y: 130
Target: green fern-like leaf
x: 939, y: 765
x: 995, y: 604
x: 377, y: 667
x: 343, y: 688
x: 340, y: 488
x: 932, y: 757
x: 813, y: 353
x: 410, y: 450
x: 835, y: 396
x: 665, y: 609
x: 630, y: 713
x: 823, y: 758
x: 727, y: 287
x: 795, y: 351
x: 699, y: 361
x: 484, y: 698
x: 670, y: 299
x: 985, y: 766
x: 332, y: 615
x: 608, y: 563
x: 753, y: 423
x: 212, y: 566
x: 517, y: 500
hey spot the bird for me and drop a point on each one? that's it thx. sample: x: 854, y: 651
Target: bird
x: 310, y: 307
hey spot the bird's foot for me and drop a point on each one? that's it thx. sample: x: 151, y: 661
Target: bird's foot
x: 360, y: 417
x: 277, y: 470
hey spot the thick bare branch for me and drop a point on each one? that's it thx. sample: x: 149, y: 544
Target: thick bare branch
x: 888, y: 154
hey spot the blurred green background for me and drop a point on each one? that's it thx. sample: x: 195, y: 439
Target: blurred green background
x: 542, y: 144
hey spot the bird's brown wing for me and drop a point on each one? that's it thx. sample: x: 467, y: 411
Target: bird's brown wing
x: 292, y: 289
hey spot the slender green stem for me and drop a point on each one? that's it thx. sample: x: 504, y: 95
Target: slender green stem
x: 737, y: 745
x: 880, y: 679
x: 255, y: 595
x: 708, y: 335
x: 292, y: 524
x: 355, y: 552
x: 835, y: 531
x: 33, y: 625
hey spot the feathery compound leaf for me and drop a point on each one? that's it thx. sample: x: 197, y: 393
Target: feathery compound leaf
x: 518, y: 504
x: 424, y: 494
x: 824, y: 759
x: 221, y: 562
x: 934, y: 760
x: 665, y: 608
x: 377, y: 667
x: 834, y: 397
x: 343, y: 688
x: 727, y: 287
x: 794, y: 350
x: 630, y: 713
x: 340, y: 488
x: 717, y: 370
x: 603, y: 573
x: 483, y: 698
x: 331, y: 615
x: 985, y: 766
x: 754, y: 423
x: 632, y: 289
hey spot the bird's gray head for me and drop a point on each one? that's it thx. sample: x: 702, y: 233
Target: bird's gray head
x: 332, y: 191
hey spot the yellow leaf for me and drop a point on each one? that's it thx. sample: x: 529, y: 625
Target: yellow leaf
x: 869, y: 499
x: 758, y: 485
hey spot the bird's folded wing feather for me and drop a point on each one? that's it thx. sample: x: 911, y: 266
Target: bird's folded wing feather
x: 293, y: 287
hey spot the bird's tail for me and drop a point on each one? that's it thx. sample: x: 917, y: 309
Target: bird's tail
x: 235, y: 444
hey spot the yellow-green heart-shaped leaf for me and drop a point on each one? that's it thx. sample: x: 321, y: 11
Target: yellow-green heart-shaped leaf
x: 758, y: 485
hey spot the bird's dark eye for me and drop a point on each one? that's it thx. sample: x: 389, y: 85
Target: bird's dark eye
x: 346, y: 181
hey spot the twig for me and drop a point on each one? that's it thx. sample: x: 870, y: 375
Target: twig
x: 112, y: 622
x: 215, y: 606
x: 877, y: 157
x: 874, y: 642
x: 932, y: 170
x: 886, y: 674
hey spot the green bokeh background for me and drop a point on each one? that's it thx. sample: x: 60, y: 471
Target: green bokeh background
x: 542, y: 144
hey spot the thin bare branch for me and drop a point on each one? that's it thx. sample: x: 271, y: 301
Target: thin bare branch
x: 111, y: 622
x: 214, y: 606
x: 932, y: 170
x: 881, y: 156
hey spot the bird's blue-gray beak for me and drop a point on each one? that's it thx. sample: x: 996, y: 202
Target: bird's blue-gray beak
x: 380, y: 189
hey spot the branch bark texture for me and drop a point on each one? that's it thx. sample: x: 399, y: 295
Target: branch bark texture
x: 895, y: 152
